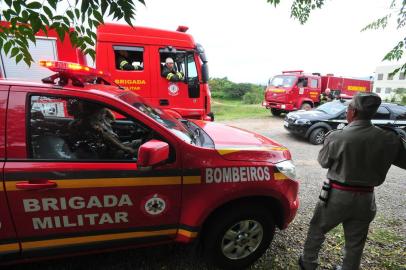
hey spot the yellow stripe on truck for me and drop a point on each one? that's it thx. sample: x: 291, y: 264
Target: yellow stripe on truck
x: 225, y: 151
x: 190, y: 180
x: 13, y: 247
x: 108, y: 182
x: 93, y: 239
x: 357, y: 88
x: 278, y: 90
x: 187, y: 233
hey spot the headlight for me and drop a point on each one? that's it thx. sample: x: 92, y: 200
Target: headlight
x: 287, y: 168
x: 302, y: 122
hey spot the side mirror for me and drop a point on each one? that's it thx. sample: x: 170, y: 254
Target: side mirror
x: 151, y: 153
x: 205, y: 73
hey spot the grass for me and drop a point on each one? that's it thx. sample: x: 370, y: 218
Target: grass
x: 235, y: 109
x: 384, y: 248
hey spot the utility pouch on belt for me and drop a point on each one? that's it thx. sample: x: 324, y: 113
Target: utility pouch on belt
x: 324, y: 193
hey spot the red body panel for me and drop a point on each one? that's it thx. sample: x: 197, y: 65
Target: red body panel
x: 195, y: 210
x: 86, y: 205
x: 3, y: 106
x: 291, y: 98
x: 347, y: 86
x: 8, y: 238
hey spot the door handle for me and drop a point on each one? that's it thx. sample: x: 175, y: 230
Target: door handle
x: 26, y: 185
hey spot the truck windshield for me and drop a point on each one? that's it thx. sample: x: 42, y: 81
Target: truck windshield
x: 159, y: 116
x: 282, y: 81
x: 332, y: 107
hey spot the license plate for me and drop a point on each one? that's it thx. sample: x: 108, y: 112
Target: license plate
x: 285, y: 123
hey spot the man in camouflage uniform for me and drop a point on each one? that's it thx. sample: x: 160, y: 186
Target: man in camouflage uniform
x: 358, y: 158
x: 92, y: 135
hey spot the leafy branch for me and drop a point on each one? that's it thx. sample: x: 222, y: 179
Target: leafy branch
x: 27, y: 18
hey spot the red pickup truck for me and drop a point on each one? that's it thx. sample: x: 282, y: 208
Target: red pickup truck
x: 89, y: 167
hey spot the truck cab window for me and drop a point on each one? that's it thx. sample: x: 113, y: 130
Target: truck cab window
x: 191, y: 67
x: 313, y: 83
x: 75, y: 129
x: 129, y: 58
x: 177, y: 69
x: 302, y: 82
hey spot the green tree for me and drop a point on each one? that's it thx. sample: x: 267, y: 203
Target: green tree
x: 301, y: 10
x: 26, y: 18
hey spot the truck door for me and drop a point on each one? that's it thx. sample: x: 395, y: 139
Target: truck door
x: 68, y: 192
x: 182, y: 96
x: 9, y: 246
x: 135, y: 75
x: 314, y: 89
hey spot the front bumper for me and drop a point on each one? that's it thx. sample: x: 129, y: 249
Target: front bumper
x: 296, y: 129
x: 279, y: 106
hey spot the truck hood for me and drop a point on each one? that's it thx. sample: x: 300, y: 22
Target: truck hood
x: 237, y: 144
x: 276, y: 94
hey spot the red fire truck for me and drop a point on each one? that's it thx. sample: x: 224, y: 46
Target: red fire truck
x: 146, y: 48
x: 75, y: 179
x: 294, y: 90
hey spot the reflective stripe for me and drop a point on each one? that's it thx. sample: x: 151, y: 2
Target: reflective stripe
x: 169, y: 76
x: 180, y: 75
x: 108, y: 182
x: 123, y: 63
x: 94, y: 239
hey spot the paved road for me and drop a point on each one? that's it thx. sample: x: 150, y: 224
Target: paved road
x: 287, y: 244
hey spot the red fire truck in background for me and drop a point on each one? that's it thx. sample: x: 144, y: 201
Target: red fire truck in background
x: 147, y: 48
x: 294, y: 90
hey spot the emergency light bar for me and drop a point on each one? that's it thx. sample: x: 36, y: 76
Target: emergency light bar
x: 77, y: 69
x: 292, y: 71
x: 77, y: 73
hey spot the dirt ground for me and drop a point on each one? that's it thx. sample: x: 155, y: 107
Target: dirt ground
x: 385, y: 248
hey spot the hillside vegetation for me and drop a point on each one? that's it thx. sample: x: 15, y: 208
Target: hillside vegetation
x: 236, y: 100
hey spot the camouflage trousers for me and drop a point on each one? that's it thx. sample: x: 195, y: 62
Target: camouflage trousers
x: 355, y: 211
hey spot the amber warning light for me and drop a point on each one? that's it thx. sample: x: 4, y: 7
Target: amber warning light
x: 74, y: 68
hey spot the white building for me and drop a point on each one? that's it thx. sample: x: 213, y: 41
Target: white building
x: 385, y: 84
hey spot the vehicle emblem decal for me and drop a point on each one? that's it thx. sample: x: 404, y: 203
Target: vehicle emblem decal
x: 155, y: 205
x: 173, y: 89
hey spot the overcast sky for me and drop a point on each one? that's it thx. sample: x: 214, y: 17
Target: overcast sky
x: 251, y: 40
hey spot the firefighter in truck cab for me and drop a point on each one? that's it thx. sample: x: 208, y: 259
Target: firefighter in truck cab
x: 169, y: 71
x: 89, y: 166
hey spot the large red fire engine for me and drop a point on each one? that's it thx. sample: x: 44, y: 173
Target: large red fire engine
x: 147, y: 49
x: 294, y: 90
x: 76, y: 179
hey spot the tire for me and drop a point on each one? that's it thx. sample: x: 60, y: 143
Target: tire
x: 317, y: 136
x: 237, y: 237
x: 276, y: 112
x: 306, y: 106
